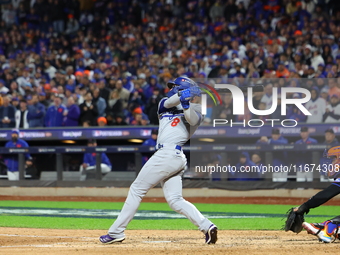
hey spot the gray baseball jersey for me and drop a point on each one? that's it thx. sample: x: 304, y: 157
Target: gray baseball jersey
x: 173, y: 126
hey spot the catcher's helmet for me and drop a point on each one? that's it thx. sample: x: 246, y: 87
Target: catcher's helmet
x: 179, y: 84
x: 333, y: 156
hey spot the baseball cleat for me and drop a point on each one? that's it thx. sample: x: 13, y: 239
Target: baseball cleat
x: 312, y: 228
x: 324, y: 237
x: 211, y: 235
x: 106, y: 239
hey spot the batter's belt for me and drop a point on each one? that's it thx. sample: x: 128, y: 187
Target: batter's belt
x: 168, y: 145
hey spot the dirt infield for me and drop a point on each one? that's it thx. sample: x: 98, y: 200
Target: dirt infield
x: 52, y: 241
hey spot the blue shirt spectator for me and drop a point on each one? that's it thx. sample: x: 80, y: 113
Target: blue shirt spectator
x: 279, y: 157
x: 152, y: 141
x: 71, y: 114
x: 246, y: 170
x: 36, y: 112
x: 55, y: 114
x: 304, y: 157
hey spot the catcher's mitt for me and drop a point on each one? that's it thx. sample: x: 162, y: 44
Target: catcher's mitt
x: 1, y: 101
x: 294, y: 221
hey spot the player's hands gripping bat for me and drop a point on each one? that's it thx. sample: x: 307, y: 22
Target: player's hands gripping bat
x: 186, y: 95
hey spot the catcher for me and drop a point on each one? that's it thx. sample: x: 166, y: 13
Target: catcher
x: 327, y: 231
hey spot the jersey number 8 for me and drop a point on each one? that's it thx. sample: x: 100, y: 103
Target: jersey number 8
x: 175, y: 122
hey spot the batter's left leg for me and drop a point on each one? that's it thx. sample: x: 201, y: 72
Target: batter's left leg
x: 172, y: 189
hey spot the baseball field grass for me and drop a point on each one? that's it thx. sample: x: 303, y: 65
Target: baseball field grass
x: 158, y: 216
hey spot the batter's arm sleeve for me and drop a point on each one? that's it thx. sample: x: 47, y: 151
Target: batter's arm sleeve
x: 192, y: 116
x: 172, y: 101
x: 321, y: 197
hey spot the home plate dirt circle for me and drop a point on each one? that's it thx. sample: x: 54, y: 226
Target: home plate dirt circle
x: 52, y: 241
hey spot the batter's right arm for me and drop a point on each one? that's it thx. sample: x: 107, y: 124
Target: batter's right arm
x: 172, y: 101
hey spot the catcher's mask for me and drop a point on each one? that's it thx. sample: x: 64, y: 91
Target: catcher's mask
x: 333, y: 159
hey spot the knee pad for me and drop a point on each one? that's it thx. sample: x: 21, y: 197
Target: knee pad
x: 331, y: 228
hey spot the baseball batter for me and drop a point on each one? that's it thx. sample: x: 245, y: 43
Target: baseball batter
x: 179, y: 117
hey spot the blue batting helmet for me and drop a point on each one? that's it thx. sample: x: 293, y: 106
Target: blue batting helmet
x: 182, y: 82
x: 179, y: 84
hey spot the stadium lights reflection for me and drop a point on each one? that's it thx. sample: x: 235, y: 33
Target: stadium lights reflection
x: 209, y: 140
x: 135, y: 140
x: 68, y: 141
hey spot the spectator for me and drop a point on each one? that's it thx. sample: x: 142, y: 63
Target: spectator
x: 21, y: 120
x: 333, y: 88
x: 99, y: 101
x: 88, y: 110
x: 88, y: 167
x: 295, y: 113
x: 72, y: 26
x: 55, y: 113
x: 36, y: 112
x: 115, y: 105
x: 267, y: 98
x: 256, y: 158
x: 332, y: 114
x: 31, y: 170
x: 152, y: 106
x: 124, y: 94
x: 43, y: 100
x: 71, y: 113
x: 279, y: 157
x: 3, y: 88
x: 282, y: 71
x: 7, y: 114
x: 148, y: 89
x: 303, y: 158
x: 317, y: 60
x: 330, y: 138
x: 11, y: 160
x: 120, y: 120
x: 216, y: 11
x: 49, y: 69
x: 58, y: 16
x: 15, y: 103
x: 224, y: 111
x: 102, y: 121
x: 245, y: 169
x: 316, y: 106
x: 152, y: 141
x: 104, y: 91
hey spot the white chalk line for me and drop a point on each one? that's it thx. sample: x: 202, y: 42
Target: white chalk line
x: 70, y: 237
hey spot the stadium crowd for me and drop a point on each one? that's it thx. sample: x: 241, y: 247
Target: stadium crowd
x: 100, y: 62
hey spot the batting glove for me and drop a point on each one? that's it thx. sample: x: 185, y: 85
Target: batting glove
x: 195, y: 91
x: 185, y: 97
